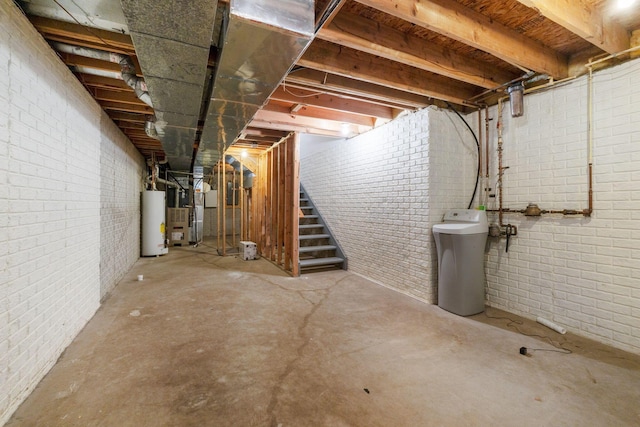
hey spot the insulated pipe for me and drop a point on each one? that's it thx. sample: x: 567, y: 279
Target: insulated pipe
x: 150, y: 128
x: 128, y: 69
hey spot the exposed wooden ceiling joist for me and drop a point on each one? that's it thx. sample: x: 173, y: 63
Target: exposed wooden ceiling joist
x: 373, y: 59
x: 332, y: 84
x: 347, y: 62
x: 369, y: 36
x: 319, y: 113
x: 453, y: 20
x: 333, y: 102
x: 117, y: 96
x: 124, y: 107
x: 80, y: 35
x: 586, y: 20
x: 103, y: 82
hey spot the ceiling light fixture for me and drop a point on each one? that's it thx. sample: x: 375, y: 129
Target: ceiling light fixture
x: 625, y: 4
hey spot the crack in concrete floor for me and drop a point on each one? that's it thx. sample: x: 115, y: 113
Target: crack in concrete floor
x: 231, y: 342
x: 302, y: 334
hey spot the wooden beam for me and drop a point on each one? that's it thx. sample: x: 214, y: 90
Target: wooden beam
x: 103, y: 82
x: 129, y: 108
x: 586, y: 20
x: 128, y: 117
x: 117, y: 96
x: 270, y: 120
x: 84, y: 36
x: 293, y: 158
x: 458, y: 22
x: 345, y: 86
x: 319, y: 113
x: 325, y: 56
x: 294, y: 123
x: 369, y: 36
x: 82, y: 61
x: 332, y: 102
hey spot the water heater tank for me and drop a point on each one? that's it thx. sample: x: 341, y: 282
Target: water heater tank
x: 153, y: 224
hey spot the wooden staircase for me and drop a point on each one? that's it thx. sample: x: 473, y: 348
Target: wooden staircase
x: 319, y: 251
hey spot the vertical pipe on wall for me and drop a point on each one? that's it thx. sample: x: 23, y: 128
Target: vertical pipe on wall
x: 500, y: 168
x: 233, y: 209
x: 481, y: 197
x: 589, y: 209
x: 219, y: 205
x: 224, y: 207
x: 486, y: 158
x: 242, y: 207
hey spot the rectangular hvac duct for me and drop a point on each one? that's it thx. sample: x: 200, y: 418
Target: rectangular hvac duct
x: 262, y: 41
x: 172, y: 40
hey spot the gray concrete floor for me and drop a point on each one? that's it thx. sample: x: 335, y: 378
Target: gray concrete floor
x: 210, y: 341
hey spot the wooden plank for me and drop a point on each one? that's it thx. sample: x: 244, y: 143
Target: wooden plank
x: 285, y: 121
x: 268, y: 202
x: 294, y: 150
x: 103, y: 82
x: 130, y: 108
x: 635, y: 41
x: 127, y: 117
x: 293, y: 127
x: 585, y: 19
x: 319, y: 113
x: 345, y: 86
x: 288, y: 208
x: 282, y: 201
x: 116, y: 96
x: 369, y: 36
x: 109, y: 40
x: 274, y: 204
x: 458, y: 22
x: 348, y: 62
x: 281, y: 191
x: 71, y: 59
x: 332, y: 102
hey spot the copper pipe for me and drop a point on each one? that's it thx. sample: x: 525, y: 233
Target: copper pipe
x: 500, y: 168
x: 589, y: 210
x: 486, y: 136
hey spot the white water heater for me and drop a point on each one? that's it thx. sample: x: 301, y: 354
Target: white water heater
x: 153, y: 223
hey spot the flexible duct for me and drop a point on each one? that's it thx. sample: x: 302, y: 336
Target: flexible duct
x: 150, y: 128
x: 127, y: 68
x: 127, y: 74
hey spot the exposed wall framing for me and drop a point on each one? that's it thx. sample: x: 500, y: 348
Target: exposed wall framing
x: 276, y: 202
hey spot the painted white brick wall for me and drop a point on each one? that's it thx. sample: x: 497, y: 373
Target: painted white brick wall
x: 50, y: 187
x: 121, y: 180
x: 582, y: 273
x: 374, y: 193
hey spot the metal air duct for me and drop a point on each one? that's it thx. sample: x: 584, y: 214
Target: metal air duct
x: 261, y: 42
x: 172, y: 40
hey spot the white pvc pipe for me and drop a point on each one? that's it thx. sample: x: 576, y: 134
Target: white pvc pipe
x: 549, y: 324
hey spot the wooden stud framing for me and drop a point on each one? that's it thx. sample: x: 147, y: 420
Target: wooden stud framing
x: 275, y: 205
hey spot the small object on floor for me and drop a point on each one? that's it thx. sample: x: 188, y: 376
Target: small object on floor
x: 140, y: 277
x: 523, y: 351
x: 366, y: 390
